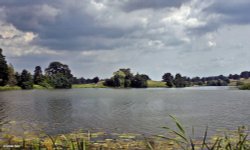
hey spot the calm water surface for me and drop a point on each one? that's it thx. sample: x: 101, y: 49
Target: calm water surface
x: 126, y: 110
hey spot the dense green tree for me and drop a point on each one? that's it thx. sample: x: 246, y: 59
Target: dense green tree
x: 139, y: 81
x: 3, y: 69
x: 95, y: 80
x: 119, y: 78
x: 60, y: 81
x: 146, y: 77
x: 110, y: 82
x: 245, y: 74
x: 57, y: 67
x: 179, y: 81
x: 124, y: 78
x: 169, y: 79
x: 127, y: 72
x: 38, y: 75
x: 26, y: 81
x: 18, y: 78
x: 58, y: 72
x: 11, y: 76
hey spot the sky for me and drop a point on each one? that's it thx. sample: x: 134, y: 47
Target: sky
x: 97, y: 37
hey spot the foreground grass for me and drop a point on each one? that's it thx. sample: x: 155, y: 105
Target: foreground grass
x: 155, y: 84
x: 175, y: 139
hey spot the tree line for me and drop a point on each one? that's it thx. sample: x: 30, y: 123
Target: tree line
x: 182, y: 81
x: 58, y: 75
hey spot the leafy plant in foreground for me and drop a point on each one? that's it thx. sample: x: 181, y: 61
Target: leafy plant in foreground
x: 238, y: 141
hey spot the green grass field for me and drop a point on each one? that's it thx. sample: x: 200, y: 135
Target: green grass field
x: 243, y: 81
x: 6, y: 88
x: 155, y: 84
x: 92, y: 85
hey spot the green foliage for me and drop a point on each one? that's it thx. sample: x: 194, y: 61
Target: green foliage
x: 217, y: 83
x: 179, y: 81
x: 26, y: 81
x: 45, y: 84
x: 139, y: 81
x: 60, y: 81
x: 124, y: 78
x: 95, y: 80
x: 3, y: 70
x: 11, y: 75
x: 38, y: 87
x: 57, y: 67
x: 38, y: 75
x: 59, y: 75
x: 245, y: 86
x: 169, y: 79
x: 236, y: 141
x: 6, y: 88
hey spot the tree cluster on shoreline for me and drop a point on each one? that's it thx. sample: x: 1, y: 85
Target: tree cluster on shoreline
x: 182, y: 81
x: 123, y: 78
x: 58, y: 75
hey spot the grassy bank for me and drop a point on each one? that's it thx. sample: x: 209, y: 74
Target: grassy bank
x: 92, y: 85
x: 7, y: 88
x: 245, y: 86
x: 156, y: 84
x: 238, y: 82
x: 151, y: 84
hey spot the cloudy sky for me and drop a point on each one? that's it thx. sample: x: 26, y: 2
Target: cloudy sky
x: 96, y: 37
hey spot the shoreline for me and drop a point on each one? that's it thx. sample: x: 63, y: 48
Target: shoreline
x: 93, y: 86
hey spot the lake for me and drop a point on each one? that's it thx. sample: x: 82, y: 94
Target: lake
x: 126, y: 110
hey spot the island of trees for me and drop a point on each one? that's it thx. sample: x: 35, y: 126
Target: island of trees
x: 58, y: 75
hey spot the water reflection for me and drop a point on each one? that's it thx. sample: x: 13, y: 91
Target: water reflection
x: 125, y: 110
x: 59, y: 112
x: 3, y: 114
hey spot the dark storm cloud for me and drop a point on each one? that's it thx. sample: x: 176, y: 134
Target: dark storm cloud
x: 154, y: 4
x: 59, y: 26
x: 224, y: 12
x: 235, y: 12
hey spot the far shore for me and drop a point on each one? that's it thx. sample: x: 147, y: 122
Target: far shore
x: 151, y: 84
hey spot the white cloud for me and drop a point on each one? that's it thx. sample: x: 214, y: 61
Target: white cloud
x: 211, y: 44
x: 18, y: 43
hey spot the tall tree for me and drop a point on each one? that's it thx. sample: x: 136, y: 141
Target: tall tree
x: 139, y: 81
x: 11, y: 75
x: 3, y: 69
x: 95, y: 80
x: 169, y: 79
x: 59, y: 75
x: 38, y: 75
x: 179, y: 81
x: 26, y: 80
x: 58, y: 67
